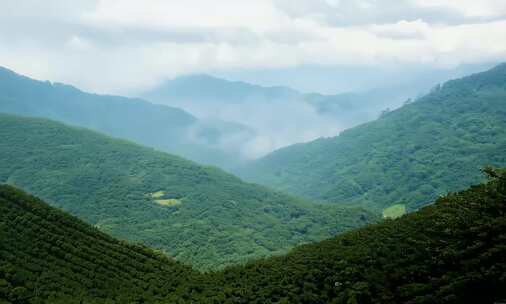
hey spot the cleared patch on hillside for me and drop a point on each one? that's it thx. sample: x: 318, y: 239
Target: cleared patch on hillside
x: 168, y: 202
x: 161, y: 198
x: 394, y: 211
x: 157, y: 194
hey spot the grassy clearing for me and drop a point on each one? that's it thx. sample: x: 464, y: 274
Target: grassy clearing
x: 168, y: 202
x: 158, y: 197
x: 394, y: 211
x: 157, y: 194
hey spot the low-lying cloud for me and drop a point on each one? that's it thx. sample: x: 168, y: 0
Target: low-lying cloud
x: 125, y: 46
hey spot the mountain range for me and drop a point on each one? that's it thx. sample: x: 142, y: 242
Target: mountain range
x: 280, y: 116
x: 163, y: 127
x: 409, y: 156
x: 112, y: 221
x: 207, y: 119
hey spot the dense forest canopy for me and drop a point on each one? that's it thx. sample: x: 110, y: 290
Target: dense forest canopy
x: 199, y: 215
x: 453, y: 251
x: 50, y: 256
x: 409, y: 156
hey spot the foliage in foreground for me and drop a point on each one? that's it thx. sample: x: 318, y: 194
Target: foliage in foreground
x: 50, y: 256
x: 453, y: 251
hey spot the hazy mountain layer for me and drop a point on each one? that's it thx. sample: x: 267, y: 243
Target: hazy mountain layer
x: 281, y: 116
x: 209, y: 89
x: 162, y: 127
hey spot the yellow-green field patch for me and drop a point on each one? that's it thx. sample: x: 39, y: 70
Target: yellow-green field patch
x: 394, y: 211
x: 157, y: 194
x: 168, y: 202
x: 161, y: 198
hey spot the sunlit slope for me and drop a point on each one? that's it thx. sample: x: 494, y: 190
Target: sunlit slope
x: 409, y: 156
x: 199, y: 215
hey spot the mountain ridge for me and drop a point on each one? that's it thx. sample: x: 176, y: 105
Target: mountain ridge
x: 460, y: 123
x: 163, y: 127
x: 214, y: 88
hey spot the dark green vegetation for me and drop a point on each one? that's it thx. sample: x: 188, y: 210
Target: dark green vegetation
x: 453, y: 251
x: 166, y: 128
x: 197, y: 214
x: 49, y: 256
x: 424, y: 149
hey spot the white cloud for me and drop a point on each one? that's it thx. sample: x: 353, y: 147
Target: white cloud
x: 470, y: 8
x: 123, y: 46
x: 417, y: 29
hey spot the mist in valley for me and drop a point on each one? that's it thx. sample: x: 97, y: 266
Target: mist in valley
x: 252, y: 120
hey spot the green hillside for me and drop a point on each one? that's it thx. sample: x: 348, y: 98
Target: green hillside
x: 198, y: 215
x: 424, y: 149
x: 453, y: 251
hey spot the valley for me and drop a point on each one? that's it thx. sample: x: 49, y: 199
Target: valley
x: 199, y: 215
x: 253, y: 152
x: 438, y: 253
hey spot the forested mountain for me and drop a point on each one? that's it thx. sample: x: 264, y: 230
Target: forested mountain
x: 162, y: 127
x: 386, y: 90
x: 450, y: 252
x: 199, y: 215
x: 408, y: 156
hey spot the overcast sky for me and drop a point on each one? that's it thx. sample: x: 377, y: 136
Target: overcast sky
x: 121, y: 46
